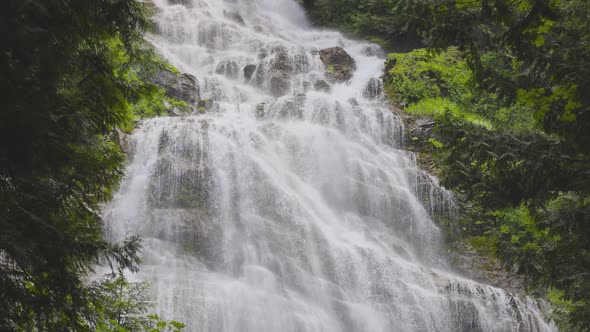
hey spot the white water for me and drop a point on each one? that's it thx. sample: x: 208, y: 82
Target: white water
x: 303, y: 217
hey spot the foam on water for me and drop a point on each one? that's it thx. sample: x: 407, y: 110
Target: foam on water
x: 284, y: 208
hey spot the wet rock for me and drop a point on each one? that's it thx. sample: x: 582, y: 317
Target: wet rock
x: 280, y: 83
x: 280, y: 69
x: 321, y: 85
x: 373, y: 89
x: 340, y: 65
x: 291, y: 108
x: 301, y: 61
x: 484, y: 269
x: 234, y: 16
x: 120, y: 138
x: 260, y: 110
x: 227, y: 68
x: 179, y: 109
x: 281, y: 60
x: 262, y: 53
x: 249, y: 71
x: 373, y: 50
x: 204, y: 106
x: 353, y: 101
x: 215, y: 35
x: 186, y: 3
x: 182, y: 88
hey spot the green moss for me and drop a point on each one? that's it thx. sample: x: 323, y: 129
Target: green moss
x: 177, y: 103
x: 421, y: 74
x: 151, y: 105
x: 433, y: 84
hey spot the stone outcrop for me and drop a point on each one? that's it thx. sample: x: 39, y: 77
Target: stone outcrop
x: 178, y: 87
x: 373, y: 88
x: 249, y: 71
x: 279, y: 83
x: 228, y: 68
x: 465, y: 258
x: 374, y: 50
x: 339, y: 64
x: 204, y: 106
x: 321, y: 85
x: 235, y: 17
x: 484, y: 269
x: 181, y: 87
x: 280, y: 69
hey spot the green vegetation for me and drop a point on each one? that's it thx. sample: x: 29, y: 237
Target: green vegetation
x: 123, y: 306
x: 524, y: 192
x: 378, y: 20
x: 72, y: 72
x: 507, y: 83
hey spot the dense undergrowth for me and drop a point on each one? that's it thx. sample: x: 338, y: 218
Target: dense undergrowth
x: 516, y: 185
x: 507, y: 84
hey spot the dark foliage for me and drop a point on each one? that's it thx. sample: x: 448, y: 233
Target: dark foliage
x: 68, y: 77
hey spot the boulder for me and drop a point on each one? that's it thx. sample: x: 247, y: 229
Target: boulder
x: 234, y: 16
x: 374, y: 51
x: 178, y: 109
x: 288, y: 108
x: 280, y: 69
x: 260, y: 112
x: 353, y: 102
x: 281, y: 60
x: 321, y: 85
x: 373, y: 88
x: 180, y: 87
x: 249, y: 71
x: 227, y: 68
x: 280, y: 83
x: 205, y: 105
x: 340, y: 65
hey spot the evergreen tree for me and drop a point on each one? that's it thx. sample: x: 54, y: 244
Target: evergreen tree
x: 69, y: 76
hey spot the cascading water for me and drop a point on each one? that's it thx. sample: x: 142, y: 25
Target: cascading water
x: 288, y: 207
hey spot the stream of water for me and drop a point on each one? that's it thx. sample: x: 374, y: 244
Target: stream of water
x: 284, y: 208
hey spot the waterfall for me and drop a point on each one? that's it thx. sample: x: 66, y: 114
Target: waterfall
x: 290, y: 205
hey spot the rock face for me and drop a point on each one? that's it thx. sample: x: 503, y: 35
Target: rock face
x: 204, y: 106
x: 120, y: 138
x: 249, y: 71
x: 186, y: 3
x: 374, y: 50
x: 484, y: 269
x: 228, y: 68
x: 280, y: 68
x: 464, y: 257
x: 279, y: 83
x: 340, y: 65
x: 373, y: 89
x: 179, y: 87
x: 234, y: 16
x: 321, y: 85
